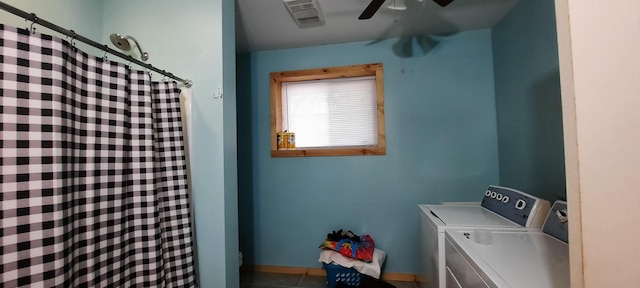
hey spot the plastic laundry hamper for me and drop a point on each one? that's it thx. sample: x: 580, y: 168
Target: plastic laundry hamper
x: 337, y: 273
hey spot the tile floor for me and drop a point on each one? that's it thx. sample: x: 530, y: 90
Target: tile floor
x: 273, y: 280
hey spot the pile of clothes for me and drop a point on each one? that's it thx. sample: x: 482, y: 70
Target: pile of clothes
x: 350, y: 245
x: 349, y: 250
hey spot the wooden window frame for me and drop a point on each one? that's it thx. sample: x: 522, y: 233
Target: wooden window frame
x: 277, y: 78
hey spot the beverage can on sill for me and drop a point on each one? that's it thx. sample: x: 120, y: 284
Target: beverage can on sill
x: 280, y: 140
x: 291, y: 141
x: 286, y: 140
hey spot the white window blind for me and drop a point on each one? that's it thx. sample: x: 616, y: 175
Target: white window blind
x: 337, y: 112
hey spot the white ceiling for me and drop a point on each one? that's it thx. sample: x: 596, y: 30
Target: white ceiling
x: 267, y: 24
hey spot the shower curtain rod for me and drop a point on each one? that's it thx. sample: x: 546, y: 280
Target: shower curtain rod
x: 74, y: 36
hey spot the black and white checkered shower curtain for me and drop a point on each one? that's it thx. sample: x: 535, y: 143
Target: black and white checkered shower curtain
x: 92, y: 171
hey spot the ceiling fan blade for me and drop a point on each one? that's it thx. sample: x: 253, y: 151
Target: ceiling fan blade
x: 371, y: 9
x: 443, y: 2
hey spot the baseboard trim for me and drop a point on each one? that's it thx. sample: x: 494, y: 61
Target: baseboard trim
x: 402, y: 277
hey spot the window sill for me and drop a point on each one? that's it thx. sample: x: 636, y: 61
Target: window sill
x: 301, y: 152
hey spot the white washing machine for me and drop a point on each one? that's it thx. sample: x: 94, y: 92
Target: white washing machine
x: 510, y: 258
x: 501, y: 208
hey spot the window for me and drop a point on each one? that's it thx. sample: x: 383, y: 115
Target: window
x: 332, y: 111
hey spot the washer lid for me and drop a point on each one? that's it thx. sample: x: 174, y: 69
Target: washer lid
x: 469, y: 215
x: 515, y: 258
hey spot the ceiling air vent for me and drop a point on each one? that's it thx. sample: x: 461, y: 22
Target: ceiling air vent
x: 306, y: 13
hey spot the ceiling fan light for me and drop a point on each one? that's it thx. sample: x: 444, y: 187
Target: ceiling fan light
x: 426, y: 43
x: 397, y: 5
x: 404, y: 47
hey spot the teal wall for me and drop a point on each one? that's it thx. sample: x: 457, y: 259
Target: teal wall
x: 86, y: 19
x: 525, y: 55
x: 441, y: 146
x: 230, y: 152
x: 192, y: 39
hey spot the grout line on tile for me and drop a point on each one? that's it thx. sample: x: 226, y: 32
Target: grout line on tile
x: 301, y: 280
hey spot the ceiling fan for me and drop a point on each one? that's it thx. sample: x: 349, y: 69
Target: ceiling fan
x: 373, y: 7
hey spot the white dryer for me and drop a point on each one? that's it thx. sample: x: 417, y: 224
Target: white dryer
x: 510, y: 258
x: 501, y: 208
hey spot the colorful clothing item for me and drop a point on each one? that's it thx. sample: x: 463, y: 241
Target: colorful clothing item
x: 362, y: 250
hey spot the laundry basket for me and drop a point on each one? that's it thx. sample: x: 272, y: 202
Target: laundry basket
x: 337, y: 273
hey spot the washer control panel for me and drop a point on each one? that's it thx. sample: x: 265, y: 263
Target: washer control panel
x: 557, y: 223
x: 512, y: 204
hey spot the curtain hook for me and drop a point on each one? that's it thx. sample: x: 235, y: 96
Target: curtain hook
x: 33, y: 19
x: 73, y: 39
x: 106, y: 50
